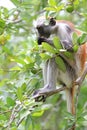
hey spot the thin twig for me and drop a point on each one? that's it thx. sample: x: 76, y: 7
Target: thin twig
x: 16, y: 21
x: 1, y: 113
x: 72, y: 128
x: 19, y: 122
x: 12, y: 117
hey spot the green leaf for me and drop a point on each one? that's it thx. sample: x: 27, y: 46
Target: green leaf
x: 60, y: 7
x: 23, y: 115
x: 7, y: 50
x: 60, y: 64
x: 49, y: 48
x: 52, y: 2
x: 50, y: 9
x: 19, y: 60
x: 1, y: 31
x: 19, y: 93
x: 16, y: 2
x: 69, y: 8
x: 74, y: 38
x: 24, y: 86
x: 3, y: 82
x: 68, y: 116
x: 28, y: 122
x: 75, y: 48
x: 38, y: 113
x: 16, y: 68
x: 80, y: 120
x: 10, y: 101
x: 69, y: 55
x: 45, y: 56
x: 82, y: 39
x: 2, y: 23
x: 5, y: 12
x: 29, y: 66
x: 56, y: 42
x: 76, y: 2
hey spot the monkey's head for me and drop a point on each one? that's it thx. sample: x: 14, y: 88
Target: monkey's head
x: 44, y: 26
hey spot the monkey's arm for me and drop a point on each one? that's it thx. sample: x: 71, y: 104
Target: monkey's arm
x: 65, y: 44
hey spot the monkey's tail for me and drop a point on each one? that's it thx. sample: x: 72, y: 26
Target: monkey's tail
x: 70, y: 93
x: 70, y: 100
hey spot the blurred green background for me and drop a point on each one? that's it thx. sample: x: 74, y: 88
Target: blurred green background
x: 21, y: 67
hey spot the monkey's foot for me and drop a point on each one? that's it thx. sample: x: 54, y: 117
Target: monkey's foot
x: 42, y: 94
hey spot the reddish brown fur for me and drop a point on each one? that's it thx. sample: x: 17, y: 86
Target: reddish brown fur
x: 82, y: 50
x: 81, y: 57
x: 67, y: 22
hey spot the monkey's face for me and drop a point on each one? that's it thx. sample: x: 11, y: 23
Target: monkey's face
x: 44, y: 30
x: 44, y: 27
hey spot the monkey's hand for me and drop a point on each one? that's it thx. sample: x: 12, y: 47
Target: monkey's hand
x: 67, y: 45
x: 43, y: 39
x: 40, y: 40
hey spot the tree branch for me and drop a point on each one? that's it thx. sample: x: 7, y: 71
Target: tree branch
x: 47, y: 94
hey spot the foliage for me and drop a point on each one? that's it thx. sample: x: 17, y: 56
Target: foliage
x: 21, y: 63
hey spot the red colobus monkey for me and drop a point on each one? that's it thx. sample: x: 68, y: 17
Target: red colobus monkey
x: 74, y: 70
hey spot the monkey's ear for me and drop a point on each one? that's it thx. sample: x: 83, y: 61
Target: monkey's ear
x: 52, y: 21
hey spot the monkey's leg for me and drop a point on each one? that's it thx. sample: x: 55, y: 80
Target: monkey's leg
x: 43, y: 95
x: 50, y: 73
x: 70, y: 96
x: 45, y: 67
